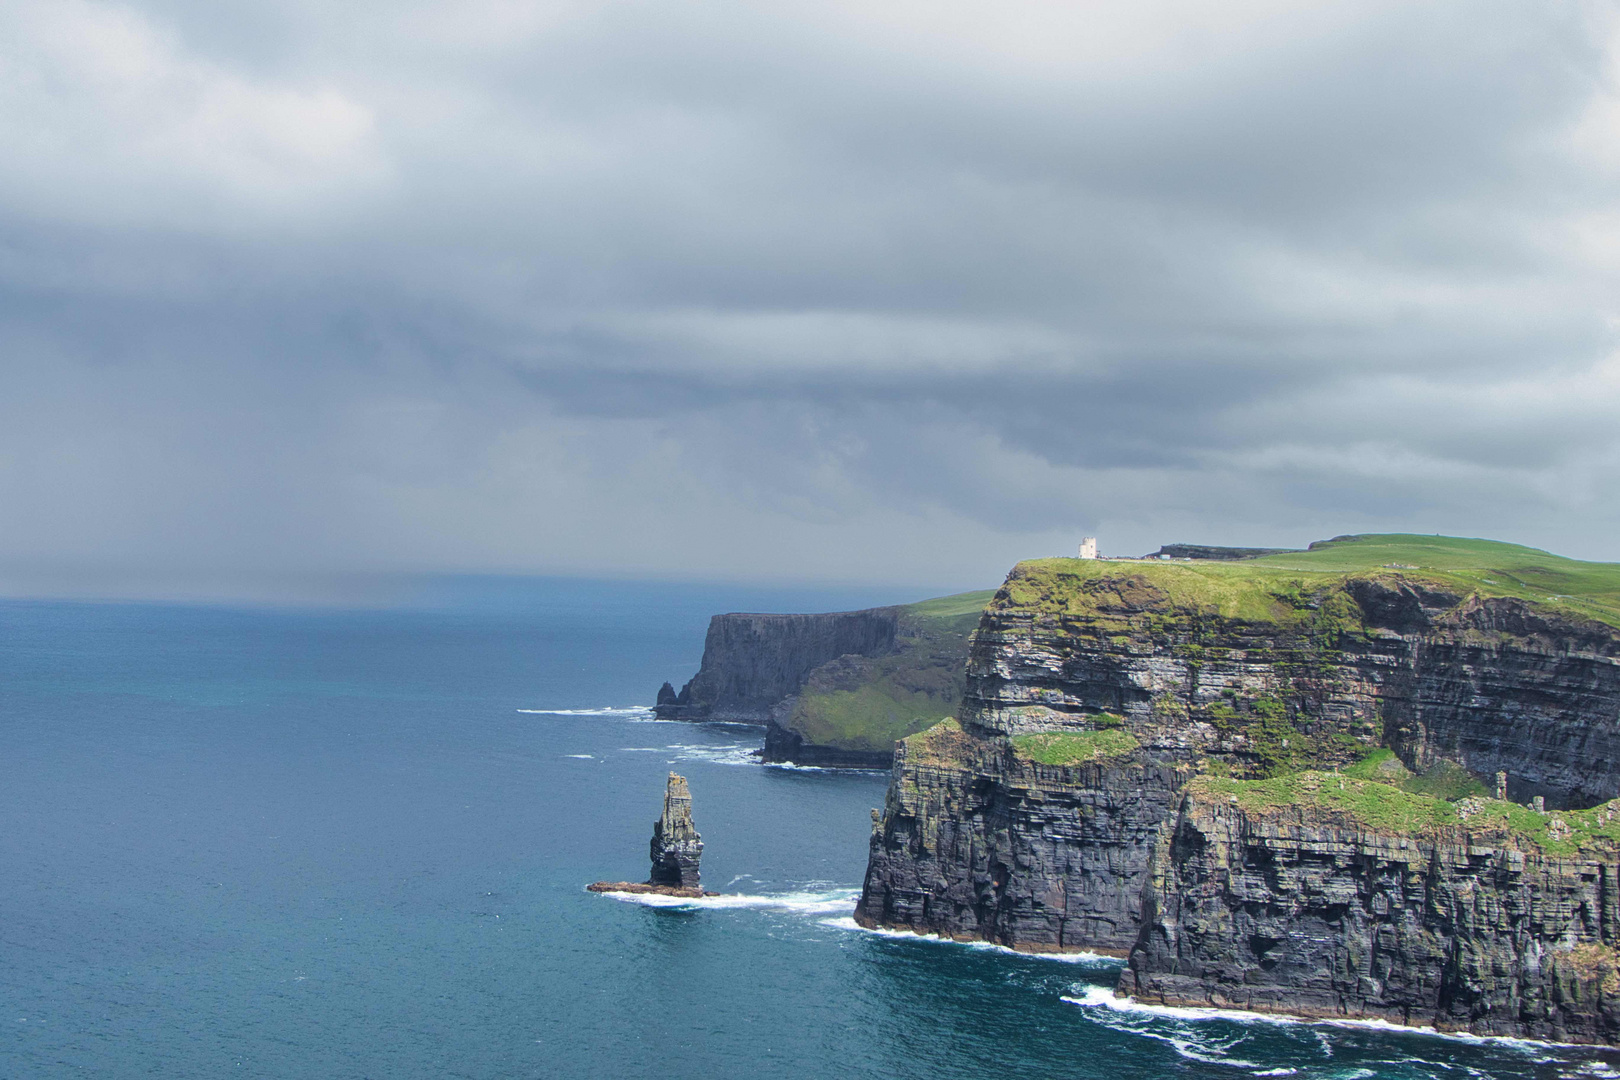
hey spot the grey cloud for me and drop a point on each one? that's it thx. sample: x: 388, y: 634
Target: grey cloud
x: 721, y: 290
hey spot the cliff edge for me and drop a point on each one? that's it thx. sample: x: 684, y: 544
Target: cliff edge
x: 1289, y: 783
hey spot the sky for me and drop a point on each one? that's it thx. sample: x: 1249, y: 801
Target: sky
x: 295, y: 294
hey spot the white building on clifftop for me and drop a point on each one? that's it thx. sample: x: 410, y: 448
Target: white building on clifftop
x: 1088, y: 547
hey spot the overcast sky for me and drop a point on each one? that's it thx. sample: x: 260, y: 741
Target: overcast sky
x: 866, y: 292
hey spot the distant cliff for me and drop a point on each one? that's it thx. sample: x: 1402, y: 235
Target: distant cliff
x: 835, y: 689
x: 1272, y: 783
x: 751, y: 662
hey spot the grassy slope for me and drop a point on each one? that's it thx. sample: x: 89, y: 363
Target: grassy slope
x: 1387, y: 809
x: 1074, y: 747
x: 1259, y: 589
x: 870, y: 703
x: 888, y: 698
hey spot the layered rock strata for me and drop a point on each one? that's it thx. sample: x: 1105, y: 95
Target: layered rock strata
x: 676, y: 846
x: 977, y: 843
x: 1304, y: 910
x: 1097, y: 696
x: 676, y: 850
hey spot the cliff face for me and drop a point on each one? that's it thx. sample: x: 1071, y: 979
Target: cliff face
x: 1489, y: 684
x: 676, y: 849
x: 1498, y: 685
x: 1098, y: 696
x: 976, y: 842
x: 1299, y: 909
x: 752, y: 662
x: 833, y: 690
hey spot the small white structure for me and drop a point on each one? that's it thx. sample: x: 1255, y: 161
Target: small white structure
x: 1088, y: 547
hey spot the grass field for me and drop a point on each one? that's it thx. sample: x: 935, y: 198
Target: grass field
x: 1265, y: 588
x: 1387, y: 809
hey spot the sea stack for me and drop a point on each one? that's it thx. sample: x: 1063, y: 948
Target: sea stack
x: 676, y: 849
x: 676, y: 845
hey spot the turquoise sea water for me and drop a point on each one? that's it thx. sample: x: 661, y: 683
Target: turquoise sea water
x: 354, y: 844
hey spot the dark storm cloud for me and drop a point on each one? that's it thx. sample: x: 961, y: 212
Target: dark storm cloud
x: 813, y: 291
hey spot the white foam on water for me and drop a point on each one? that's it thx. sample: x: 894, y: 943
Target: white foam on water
x: 633, y: 712
x: 1187, y: 1042
x: 725, y: 754
x: 788, y: 766
x: 803, y: 903
x: 722, y: 754
x: 582, y: 757
x: 1099, y: 996
x: 1089, y: 958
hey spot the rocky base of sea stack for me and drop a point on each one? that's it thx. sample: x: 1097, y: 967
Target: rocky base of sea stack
x: 640, y: 887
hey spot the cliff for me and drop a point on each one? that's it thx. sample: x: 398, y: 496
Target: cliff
x: 751, y: 662
x: 836, y: 689
x: 1327, y: 896
x: 1103, y: 697
x: 676, y: 848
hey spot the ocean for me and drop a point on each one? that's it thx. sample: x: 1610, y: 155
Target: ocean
x: 354, y: 844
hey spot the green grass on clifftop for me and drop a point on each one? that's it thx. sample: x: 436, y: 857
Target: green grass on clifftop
x: 1267, y: 588
x: 1074, y: 747
x: 1446, y: 780
x: 866, y: 703
x: 870, y: 716
x: 963, y: 605
x: 1386, y: 809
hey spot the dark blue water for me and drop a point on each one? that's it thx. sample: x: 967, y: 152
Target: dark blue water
x: 271, y: 844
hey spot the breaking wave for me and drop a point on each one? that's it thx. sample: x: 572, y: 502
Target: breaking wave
x: 803, y: 903
x: 1189, y: 1028
x: 633, y: 712
x: 1090, y: 959
x: 713, y: 753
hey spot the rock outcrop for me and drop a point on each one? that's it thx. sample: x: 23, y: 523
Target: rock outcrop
x: 676, y: 845
x: 1062, y: 809
x: 676, y: 850
x: 977, y: 842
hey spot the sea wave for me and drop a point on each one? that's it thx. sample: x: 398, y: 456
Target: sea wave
x: 632, y: 712
x: 1101, y: 997
x: 804, y: 903
x: 714, y: 754
x: 789, y: 766
x: 1090, y: 959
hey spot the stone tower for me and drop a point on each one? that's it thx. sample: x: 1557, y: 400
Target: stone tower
x: 1088, y: 547
x: 676, y: 845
